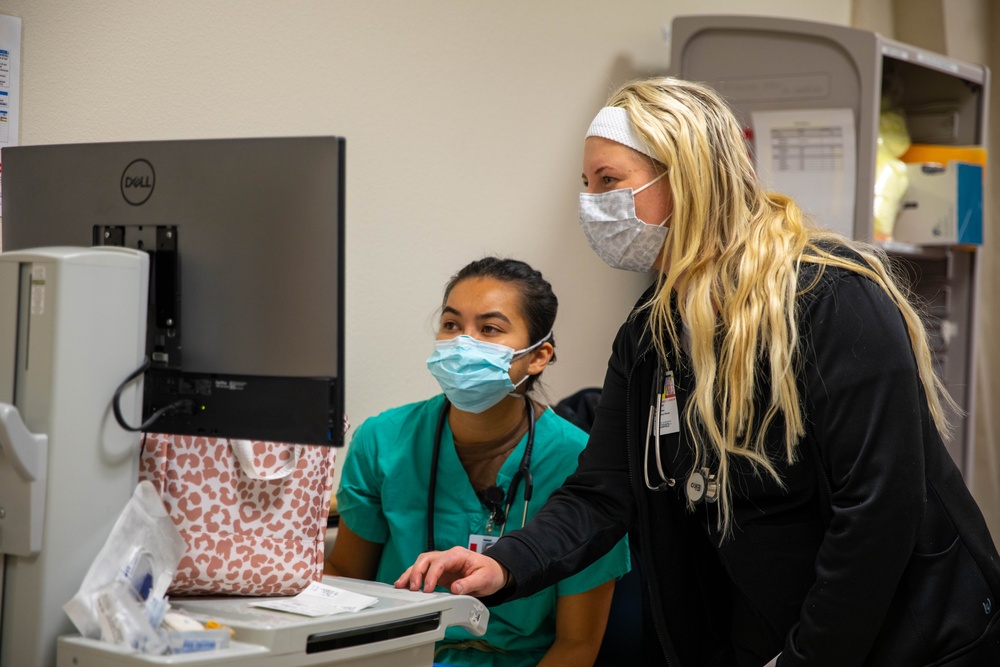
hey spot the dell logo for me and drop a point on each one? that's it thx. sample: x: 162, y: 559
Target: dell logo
x: 137, y: 182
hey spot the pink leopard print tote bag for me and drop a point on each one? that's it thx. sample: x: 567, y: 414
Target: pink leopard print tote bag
x: 253, y: 514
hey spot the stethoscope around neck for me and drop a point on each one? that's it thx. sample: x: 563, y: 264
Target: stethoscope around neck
x: 701, y: 484
x: 522, y: 474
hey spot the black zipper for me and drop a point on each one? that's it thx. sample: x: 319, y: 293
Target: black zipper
x: 641, y: 505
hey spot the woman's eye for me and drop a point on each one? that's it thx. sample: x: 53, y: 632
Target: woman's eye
x: 490, y: 329
x: 607, y: 180
x: 448, y: 326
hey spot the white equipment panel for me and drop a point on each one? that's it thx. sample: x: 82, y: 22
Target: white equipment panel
x: 72, y: 328
x: 397, y: 631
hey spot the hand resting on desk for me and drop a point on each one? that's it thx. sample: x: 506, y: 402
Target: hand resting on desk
x: 462, y: 571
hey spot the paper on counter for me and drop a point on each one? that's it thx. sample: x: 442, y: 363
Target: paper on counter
x: 319, y: 600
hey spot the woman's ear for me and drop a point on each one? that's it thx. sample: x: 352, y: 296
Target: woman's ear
x: 540, y: 358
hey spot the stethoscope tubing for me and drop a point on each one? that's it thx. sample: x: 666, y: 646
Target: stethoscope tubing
x: 653, y: 433
x: 523, y: 473
x: 701, y: 484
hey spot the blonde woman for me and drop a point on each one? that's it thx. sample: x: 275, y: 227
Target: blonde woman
x: 770, y: 431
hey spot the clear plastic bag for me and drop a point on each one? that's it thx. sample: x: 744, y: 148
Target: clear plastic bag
x: 124, y: 621
x: 136, y: 565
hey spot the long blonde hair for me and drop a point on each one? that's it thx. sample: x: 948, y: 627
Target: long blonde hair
x: 734, y: 254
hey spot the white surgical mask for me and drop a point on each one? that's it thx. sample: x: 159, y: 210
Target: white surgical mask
x: 616, y: 234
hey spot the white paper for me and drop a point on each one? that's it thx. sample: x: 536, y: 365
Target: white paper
x: 811, y: 156
x: 319, y: 600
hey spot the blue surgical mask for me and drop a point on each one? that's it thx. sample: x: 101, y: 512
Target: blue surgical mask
x: 615, y: 233
x: 474, y: 374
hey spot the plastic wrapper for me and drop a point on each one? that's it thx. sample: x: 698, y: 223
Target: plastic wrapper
x: 123, y: 619
x: 140, y: 557
x: 891, y: 179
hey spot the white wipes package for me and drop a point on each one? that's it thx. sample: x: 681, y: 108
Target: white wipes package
x: 143, y: 550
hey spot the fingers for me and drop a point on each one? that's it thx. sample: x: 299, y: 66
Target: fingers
x: 413, y: 577
x: 440, y: 567
x: 479, y: 583
x: 464, y: 571
x: 445, y: 567
x: 422, y: 573
x: 404, y: 579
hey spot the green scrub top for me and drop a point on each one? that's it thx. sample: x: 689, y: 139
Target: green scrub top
x: 383, y: 499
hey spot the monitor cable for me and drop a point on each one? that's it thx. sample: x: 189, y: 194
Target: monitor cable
x: 144, y: 426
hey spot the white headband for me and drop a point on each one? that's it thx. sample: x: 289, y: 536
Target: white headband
x: 613, y: 123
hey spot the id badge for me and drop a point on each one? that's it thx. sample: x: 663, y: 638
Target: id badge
x: 480, y: 543
x: 669, y: 421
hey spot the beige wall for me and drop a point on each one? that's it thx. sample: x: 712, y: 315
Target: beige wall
x: 463, y: 122
x: 986, y: 478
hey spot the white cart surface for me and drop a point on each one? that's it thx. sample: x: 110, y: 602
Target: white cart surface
x: 398, y: 631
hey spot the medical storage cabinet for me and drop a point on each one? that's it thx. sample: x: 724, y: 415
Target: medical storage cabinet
x: 815, y: 83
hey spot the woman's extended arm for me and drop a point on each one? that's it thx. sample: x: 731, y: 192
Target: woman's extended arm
x: 593, y: 509
x: 580, y: 623
x: 353, y: 556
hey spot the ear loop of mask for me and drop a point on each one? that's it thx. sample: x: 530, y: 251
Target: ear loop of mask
x: 521, y: 353
x: 635, y: 192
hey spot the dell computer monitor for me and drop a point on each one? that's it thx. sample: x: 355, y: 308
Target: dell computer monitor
x: 246, y: 242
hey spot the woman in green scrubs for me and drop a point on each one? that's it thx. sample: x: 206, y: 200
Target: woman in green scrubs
x: 460, y: 453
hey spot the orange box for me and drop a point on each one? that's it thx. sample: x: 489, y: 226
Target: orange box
x: 944, y: 154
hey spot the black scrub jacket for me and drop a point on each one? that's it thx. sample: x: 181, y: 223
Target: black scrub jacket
x: 873, y: 554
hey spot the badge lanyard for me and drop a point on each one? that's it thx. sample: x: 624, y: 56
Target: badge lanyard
x: 664, y: 419
x: 523, y: 474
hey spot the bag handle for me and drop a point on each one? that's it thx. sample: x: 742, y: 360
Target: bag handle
x: 243, y: 449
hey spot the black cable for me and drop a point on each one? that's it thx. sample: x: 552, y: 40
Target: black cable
x: 434, y: 469
x: 116, y: 402
x: 523, y: 473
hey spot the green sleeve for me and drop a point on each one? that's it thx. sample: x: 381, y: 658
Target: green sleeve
x: 359, y: 498
x: 612, y: 565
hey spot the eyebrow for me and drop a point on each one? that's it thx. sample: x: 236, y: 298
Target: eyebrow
x: 597, y: 172
x: 495, y: 314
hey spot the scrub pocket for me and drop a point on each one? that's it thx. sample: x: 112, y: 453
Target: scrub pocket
x: 944, y: 603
